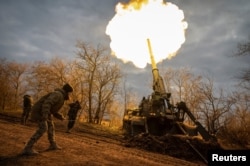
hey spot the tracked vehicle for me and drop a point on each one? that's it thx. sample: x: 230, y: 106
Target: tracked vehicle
x: 155, y: 114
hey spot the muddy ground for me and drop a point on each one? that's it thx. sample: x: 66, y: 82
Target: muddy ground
x: 91, y: 146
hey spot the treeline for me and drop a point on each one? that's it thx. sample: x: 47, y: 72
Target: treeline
x: 100, y: 87
x: 224, y: 113
x: 93, y: 75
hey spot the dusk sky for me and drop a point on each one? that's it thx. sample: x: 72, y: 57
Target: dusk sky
x: 32, y: 30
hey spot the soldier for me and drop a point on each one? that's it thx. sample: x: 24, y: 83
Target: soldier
x: 143, y: 106
x: 27, y: 103
x: 74, y: 107
x: 42, y: 112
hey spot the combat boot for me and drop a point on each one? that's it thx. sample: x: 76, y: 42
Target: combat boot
x: 29, y: 151
x: 28, y: 148
x: 54, y: 146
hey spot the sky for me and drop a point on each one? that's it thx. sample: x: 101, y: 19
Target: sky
x: 35, y: 30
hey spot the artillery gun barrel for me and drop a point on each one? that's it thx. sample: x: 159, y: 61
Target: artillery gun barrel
x: 158, y: 84
x: 154, y: 67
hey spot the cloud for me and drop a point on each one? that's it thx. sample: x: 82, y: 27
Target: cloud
x: 38, y: 30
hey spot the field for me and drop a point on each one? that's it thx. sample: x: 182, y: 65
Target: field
x: 85, y: 145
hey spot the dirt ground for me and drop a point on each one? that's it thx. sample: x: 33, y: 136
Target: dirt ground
x: 83, y: 146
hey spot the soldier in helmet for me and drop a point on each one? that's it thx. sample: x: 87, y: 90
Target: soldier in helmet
x: 27, y: 103
x: 42, y: 112
x: 74, y: 107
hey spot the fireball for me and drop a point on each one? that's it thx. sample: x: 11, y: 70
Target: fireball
x: 135, y: 22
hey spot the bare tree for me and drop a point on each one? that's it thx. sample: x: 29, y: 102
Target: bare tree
x: 129, y: 99
x: 12, y: 82
x: 5, y: 95
x: 182, y: 78
x: 39, y: 79
x: 16, y: 72
x: 168, y: 76
x: 244, y: 76
x: 243, y: 49
x: 89, y: 62
x: 215, y: 105
x: 77, y: 79
x: 60, y: 71
x: 101, y: 78
x: 236, y: 129
x: 45, y: 77
x: 184, y: 86
x: 108, y: 76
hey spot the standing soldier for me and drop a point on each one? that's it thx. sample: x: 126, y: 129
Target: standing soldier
x: 42, y: 112
x: 27, y: 103
x: 74, y: 107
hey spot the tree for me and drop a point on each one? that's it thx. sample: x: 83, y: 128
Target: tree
x: 244, y: 76
x: 45, y: 77
x: 89, y: 62
x: 11, y: 76
x: 236, y: 128
x: 101, y: 78
x: 184, y: 86
x: 215, y: 105
x: 39, y: 79
x: 16, y: 72
x: 108, y: 76
x: 5, y: 96
x: 200, y: 95
x: 129, y: 96
x: 77, y: 79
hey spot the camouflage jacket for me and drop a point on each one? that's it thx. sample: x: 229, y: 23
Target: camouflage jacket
x: 48, y: 105
x: 74, y: 107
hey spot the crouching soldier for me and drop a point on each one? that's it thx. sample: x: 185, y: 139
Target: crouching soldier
x: 42, y: 112
x: 74, y: 107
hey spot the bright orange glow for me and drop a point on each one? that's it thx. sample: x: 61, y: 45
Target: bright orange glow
x: 161, y: 22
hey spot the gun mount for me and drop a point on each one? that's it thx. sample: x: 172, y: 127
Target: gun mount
x: 157, y: 116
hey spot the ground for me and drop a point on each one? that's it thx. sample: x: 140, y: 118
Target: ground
x: 83, y: 146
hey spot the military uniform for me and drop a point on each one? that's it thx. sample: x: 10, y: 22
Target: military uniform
x: 74, y: 107
x: 42, y: 112
x: 27, y: 104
